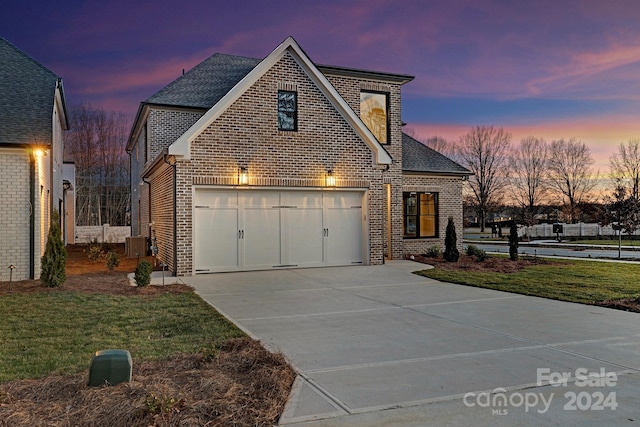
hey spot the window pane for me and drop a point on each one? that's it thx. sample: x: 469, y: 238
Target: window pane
x: 410, y: 229
x: 427, y: 204
x: 373, y: 112
x: 428, y: 215
x: 286, y: 121
x: 287, y: 110
x: 427, y: 226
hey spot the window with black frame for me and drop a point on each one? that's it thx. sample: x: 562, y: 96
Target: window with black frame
x: 287, y: 110
x: 420, y: 211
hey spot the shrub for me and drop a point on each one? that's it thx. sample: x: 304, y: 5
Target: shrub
x: 112, y: 260
x: 52, y: 273
x: 142, y: 275
x: 451, y: 253
x: 432, y: 252
x: 513, y: 242
x: 95, y: 252
x: 480, y: 254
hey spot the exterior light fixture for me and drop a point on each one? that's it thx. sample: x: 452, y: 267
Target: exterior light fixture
x: 330, y: 180
x: 243, y: 176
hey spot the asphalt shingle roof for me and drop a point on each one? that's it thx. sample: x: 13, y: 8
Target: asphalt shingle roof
x: 206, y: 83
x: 27, y: 91
x: 417, y: 157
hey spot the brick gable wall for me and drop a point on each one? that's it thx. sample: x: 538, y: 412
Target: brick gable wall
x: 246, y: 135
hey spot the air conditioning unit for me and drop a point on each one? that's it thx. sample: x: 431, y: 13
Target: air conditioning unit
x: 135, y: 246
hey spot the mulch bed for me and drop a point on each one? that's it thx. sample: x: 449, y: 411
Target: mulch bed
x: 237, y: 384
x: 241, y: 384
x: 491, y: 264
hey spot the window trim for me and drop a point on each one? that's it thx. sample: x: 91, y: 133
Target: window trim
x: 295, y: 111
x: 436, y: 215
x: 387, y: 97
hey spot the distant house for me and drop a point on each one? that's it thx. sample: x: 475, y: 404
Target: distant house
x: 250, y: 164
x: 32, y: 118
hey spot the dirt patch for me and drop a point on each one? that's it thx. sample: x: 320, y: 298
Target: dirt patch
x: 237, y: 384
x: 240, y: 384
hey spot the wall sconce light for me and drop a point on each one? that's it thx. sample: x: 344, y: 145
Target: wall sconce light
x: 243, y: 176
x: 330, y: 180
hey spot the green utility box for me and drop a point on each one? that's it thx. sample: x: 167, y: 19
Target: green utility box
x: 110, y: 367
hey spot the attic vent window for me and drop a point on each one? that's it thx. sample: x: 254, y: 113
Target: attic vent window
x: 287, y: 110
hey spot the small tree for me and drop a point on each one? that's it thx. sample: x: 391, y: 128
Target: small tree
x: 52, y: 273
x: 142, y: 274
x: 513, y: 241
x: 112, y: 260
x: 451, y: 253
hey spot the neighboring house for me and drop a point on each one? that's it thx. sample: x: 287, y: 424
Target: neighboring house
x: 248, y: 164
x: 32, y: 118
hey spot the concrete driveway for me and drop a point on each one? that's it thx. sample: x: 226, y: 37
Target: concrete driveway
x: 377, y: 345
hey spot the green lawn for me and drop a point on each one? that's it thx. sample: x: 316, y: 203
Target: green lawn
x: 605, y: 242
x: 58, y: 332
x: 576, y: 281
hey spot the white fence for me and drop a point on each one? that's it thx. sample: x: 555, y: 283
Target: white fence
x: 568, y: 230
x: 102, y: 234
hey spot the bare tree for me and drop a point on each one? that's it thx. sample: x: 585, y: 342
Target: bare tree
x: 96, y: 144
x: 571, y: 174
x: 625, y: 167
x: 527, y: 169
x: 483, y: 150
x: 441, y: 145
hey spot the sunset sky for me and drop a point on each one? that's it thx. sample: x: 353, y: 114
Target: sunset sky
x: 546, y: 68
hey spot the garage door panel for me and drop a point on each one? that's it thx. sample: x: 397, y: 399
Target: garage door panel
x: 304, y: 237
x: 262, y: 238
x: 216, y: 240
x: 344, y: 236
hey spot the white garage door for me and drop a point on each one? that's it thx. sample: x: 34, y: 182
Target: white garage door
x: 258, y: 230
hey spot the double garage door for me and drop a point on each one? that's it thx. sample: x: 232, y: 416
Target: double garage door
x: 260, y: 230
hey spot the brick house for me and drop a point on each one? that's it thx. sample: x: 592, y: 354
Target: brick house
x: 32, y: 118
x: 248, y: 164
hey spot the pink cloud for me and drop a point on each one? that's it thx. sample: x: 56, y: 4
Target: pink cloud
x: 602, y: 135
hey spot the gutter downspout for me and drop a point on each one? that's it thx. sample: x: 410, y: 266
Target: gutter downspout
x: 32, y: 219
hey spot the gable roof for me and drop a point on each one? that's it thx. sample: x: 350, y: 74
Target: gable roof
x: 182, y: 146
x: 417, y: 157
x: 27, y: 94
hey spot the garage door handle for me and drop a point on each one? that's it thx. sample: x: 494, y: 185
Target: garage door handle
x: 240, y: 234
x: 325, y: 232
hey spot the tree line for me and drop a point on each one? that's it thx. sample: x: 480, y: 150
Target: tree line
x: 96, y: 144
x: 533, y: 172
